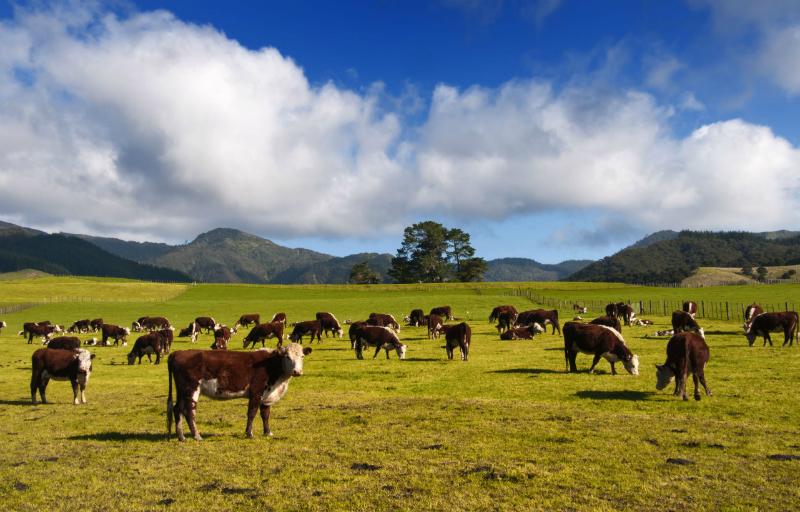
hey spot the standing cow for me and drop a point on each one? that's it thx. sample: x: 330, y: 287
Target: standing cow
x: 207, y: 323
x: 682, y: 321
x: 686, y: 353
x: 82, y: 326
x: 765, y: 323
x: 96, y: 324
x: 263, y: 332
x: 580, y: 309
x: 611, y: 309
x: 116, y: 333
x: 752, y: 311
x: 329, y: 323
x: 539, y: 316
x: 459, y: 335
x: 499, y: 309
x: 308, y: 328
x: 442, y: 311
x: 151, y: 343
x: 352, y: 333
x: 72, y: 365
x: 247, y: 320
x: 279, y: 317
x: 626, y: 313
x: 380, y: 338
x: 191, y: 332
x: 387, y: 320
x: 600, y: 341
x: 434, y: 323
x: 417, y: 318
x: 690, y: 307
x: 506, y: 321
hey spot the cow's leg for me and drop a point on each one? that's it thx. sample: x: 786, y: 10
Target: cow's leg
x: 178, y: 411
x: 465, y: 352
x: 43, y: 381
x: 449, y: 351
x: 359, y: 350
x: 75, y: 391
x: 702, y: 376
x: 787, y: 336
x: 149, y: 358
x: 189, y: 411
x: 252, y: 409
x: 378, y: 350
x: 35, y: 386
x: 571, y: 357
x: 596, y: 360
x: 767, y: 338
x: 265, y: 419
x: 83, y: 393
x: 158, y: 357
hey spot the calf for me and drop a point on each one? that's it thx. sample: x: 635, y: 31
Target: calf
x: 388, y: 320
x: 417, y: 318
x: 309, y: 328
x: 353, y: 328
x: 685, y: 322
x: 690, y: 307
x: 207, y: 323
x: 611, y: 310
x: 380, y: 338
x: 766, y: 323
x: 328, y: 322
x: 626, y: 313
x: 279, y: 317
x: 82, y: 326
x: 72, y: 365
x: 137, y: 326
x: 522, y: 333
x: 64, y: 343
x: 608, y: 321
x: 686, y: 353
x: 499, y: 309
x: 600, y: 341
x: 459, y: 335
x: 247, y: 320
x: 152, y: 343
x: 506, y: 321
x: 539, y: 316
x: 443, y: 311
x: 263, y: 332
x: 96, y: 324
x: 116, y: 333
x: 192, y: 331
x: 261, y: 376
x: 434, y: 323
x: 752, y: 311
x: 581, y: 310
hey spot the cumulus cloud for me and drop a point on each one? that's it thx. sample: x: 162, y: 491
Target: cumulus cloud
x: 688, y: 101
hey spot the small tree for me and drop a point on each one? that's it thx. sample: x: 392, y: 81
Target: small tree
x: 361, y: 273
x: 762, y: 273
x: 748, y: 271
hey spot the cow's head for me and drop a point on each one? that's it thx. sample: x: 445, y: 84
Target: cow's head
x: 631, y: 363
x: 56, y: 328
x: 536, y: 328
x: 136, y: 326
x: 293, y: 355
x: 701, y: 332
x: 127, y: 331
x: 406, y: 318
x: 340, y: 332
x: 3, y: 324
x: 751, y: 336
x: 132, y: 357
x: 217, y: 326
x: 84, y: 362
x: 401, y: 351
x: 664, y: 375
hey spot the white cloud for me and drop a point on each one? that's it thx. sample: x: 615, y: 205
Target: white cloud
x: 688, y: 101
x: 781, y: 58
x: 661, y: 71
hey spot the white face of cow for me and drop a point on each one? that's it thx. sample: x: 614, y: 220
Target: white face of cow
x: 293, y: 355
x: 84, y: 365
x: 538, y: 329
x: 751, y: 338
x: 3, y: 324
x: 127, y: 331
x: 632, y: 366
x: 664, y: 376
x: 401, y: 351
x: 701, y: 332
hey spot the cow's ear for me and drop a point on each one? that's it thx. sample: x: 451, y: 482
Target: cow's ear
x: 307, y: 350
x: 659, y: 366
x: 92, y: 356
x: 281, y: 350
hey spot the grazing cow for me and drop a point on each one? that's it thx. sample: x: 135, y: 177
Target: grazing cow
x: 82, y: 326
x: 192, y: 331
x: 417, y: 318
x: 247, y: 320
x: 766, y: 323
x: 434, y: 323
x: 263, y: 332
x: 690, y: 307
x: 686, y: 353
x: 388, y: 320
x: 155, y: 323
x: 279, y: 317
x: 96, y: 324
x: 380, y: 338
x: 221, y: 338
x: 207, y: 323
x: 328, y: 322
x: 261, y: 376
x: 499, y: 309
x: 685, y: 322
x: 72, y: 365
x: 752, y: 311
x: 459, y: 335
x: 137, y: 326
x: 611, y: 309
x: 64, y: 343
x: 353, y: 328
x: 539, y: 316
x: 309, y: 328
x: 522, y: 333
x: 169, y: 335
x: 506, y: 321
x: 608, y: 321
x: 152, y: 343
x: 581, y: 310
x: 443, y: 311
x: 626, y: 313
x: 43, y: 331
x: 116, y: 333
x: 600, y: 341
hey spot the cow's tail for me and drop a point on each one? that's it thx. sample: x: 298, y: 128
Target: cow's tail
x: 685, y: 368
x: 170, y: 405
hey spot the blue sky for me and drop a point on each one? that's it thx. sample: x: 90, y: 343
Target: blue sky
x: 549, y: 129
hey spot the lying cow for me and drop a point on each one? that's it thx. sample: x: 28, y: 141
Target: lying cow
x: 686, y: 353
x: 309, y: 328
x: 96, y: 324
x: 2, y: 324
x: 752, y: 311
x: 522, y: 333
x: 417, y: 318
x: 247, y: 320
x: 328, y: 323
x: 191, y: 332
x: 116, y: 333
x: 506, y: 321
x: 380, y: 338
x: 683, y: 321
x: 459, y: 335
x: 658, y: 334
x: 388, y: 320
x: 581, y: 309
x: 690, y: 307
x: 434, y: 323
x: 207, y: 323
x: 261, y: 376
x: 263, y: 332
x: 443, y: 311
x: 600, y: 341
x: 279, y: 317
x: 643, y: 322
x: 765, y: 323
x: 499, y: 309
x: 72, y: 365
x: 152, y: 343
x: 64, y: 343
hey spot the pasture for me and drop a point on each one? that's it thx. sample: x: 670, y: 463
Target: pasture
x: 507, y: 430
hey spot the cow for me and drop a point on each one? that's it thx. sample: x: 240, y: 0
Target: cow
x: 263, y: 332
x: 417, y: 318
x: 686, y: 353
x: 191, y: 332
x: 82, y: 326
x: 434, y: 323
x: 72, y: 365
x: 156, y: 323
x: 2, y: 324
x: 388, y: 320
x: 611, y: 309
x: 309, y: 328
x: 380, y: 338
x: 752, y: 311
x: 442, y: 330
x: 539, y: 316
x: 72, y: 330
x: 43, y: 331
x: 328, y: 322
x: 682, y: 321
x: 626, y: 313
x: 247, y: 320
x: 116, y: 333
x: 92, y: 341
x: 766, y: 323
x: 608, y: 321
x: 279, y: 317
x: 353, y: 328
x: 96, y: 324
x: 221, y: 338
x: 499, y: 309
x: 64, y: 343
x: 261, y: 376
x: 658, y: 334
x: 522, y: 333
x: 459, y: 335
x: 690, y: 307
x: 443, y: 311
x: 151, y: 343
x: 600, y: 341
x: 61, y: 330
x: 643, y: 322
x: 137, y: 326
x: 207, y: 323
x: 581, y: 310
x: 506, y: 321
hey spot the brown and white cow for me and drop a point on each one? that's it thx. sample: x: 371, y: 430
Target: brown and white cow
x: 434, y: 323
x: 169, y: 335
x: 690, y: 307
x: 308, y: 328
x: 626, y: 313
x: 151, y: 343
x: 611, y: 309
x: 683, y: 321
x: 442, y: 311
x: 82, y: 326
x: 72, y: 365
x: 247, y: 320
x: 499, y: 309
x: 608, y: 321
x: 581, y: 309
x: 380, y: 338
x: 261, y: 376
x: 643, y: 322
x: 221, y: 338
x: 387, y: 319
x: 686, y: 353
x: 263, y: 332
x: 2, y: 324
x: 352, y: 333
x: 765, y: 323
x: 506, y: 321
x: 329, y: 323
x: 752, y: 311
x: 64, y: 343
x: 42, y: 331
x: 279, y: 317
x: 522, y: 333
x: 600, y: 341
x: 417, y: 318
x: 207, y: 323
x: 96, y: 324
x: 542, y: 317
x: 155, y: 323
x: 136, y: 325
x: 459, y: 335
x: 116, y: 333
x: 191, y: 332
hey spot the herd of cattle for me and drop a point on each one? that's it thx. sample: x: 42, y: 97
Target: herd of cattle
x: 263, y: 375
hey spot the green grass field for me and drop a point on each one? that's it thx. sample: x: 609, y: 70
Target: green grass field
x: 507, y: 430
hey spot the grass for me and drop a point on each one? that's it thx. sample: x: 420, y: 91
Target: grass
x: 720, y: 276
x: 76, y: 288
x: 22, y: 274
x: 507, y: 430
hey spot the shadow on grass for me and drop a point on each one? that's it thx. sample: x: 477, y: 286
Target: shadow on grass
x: 16, y: 402
x: 615, y: 395
x: 526, y: 370
x: 126, y: 436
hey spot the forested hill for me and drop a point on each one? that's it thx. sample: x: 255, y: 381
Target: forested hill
x: 527, y: 270
x: 671, y: 261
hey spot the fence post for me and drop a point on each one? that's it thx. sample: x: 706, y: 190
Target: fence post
x: 704, y: 308
x: 727, y: 312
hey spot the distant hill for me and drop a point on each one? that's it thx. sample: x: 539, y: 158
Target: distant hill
x: 524, y: 269
x: 30, y: 230
x: 673, y: 260
x: 139, y: 251
x: 658, y: 236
